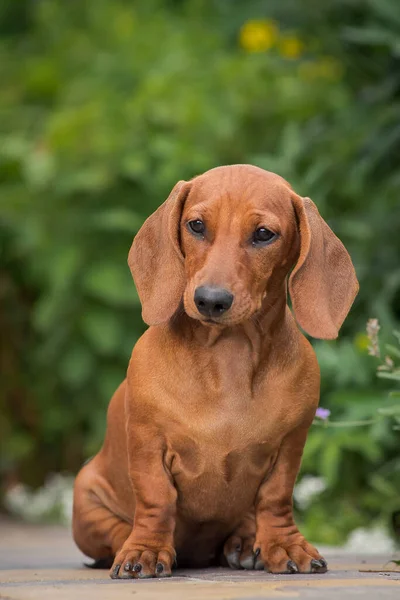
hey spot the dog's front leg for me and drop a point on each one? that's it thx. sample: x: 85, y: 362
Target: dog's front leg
x: 149, y: 550
x: 279, y: 546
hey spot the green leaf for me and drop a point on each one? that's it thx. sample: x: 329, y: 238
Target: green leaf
x: 370, y: 36
x: 330, y: 461
x: 77, y: 365
x: 394, y: 376
x: 111, y: 283
x: 393, y: 351
x: 389, y: 411
x: 364, y: 445
x: 117, y: 219
x: 108, y: 381
x: 39, y: 168
x: 18, y: 447
x: 104, y: 329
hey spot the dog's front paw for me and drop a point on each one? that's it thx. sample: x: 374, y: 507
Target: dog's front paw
x: 288, y: 556
x: 142, y: 561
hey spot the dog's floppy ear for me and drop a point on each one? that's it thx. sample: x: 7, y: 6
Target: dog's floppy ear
x: 156, y: 261
x: 323, y: 284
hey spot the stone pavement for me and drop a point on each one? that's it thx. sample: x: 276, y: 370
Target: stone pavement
x: 42, y: 563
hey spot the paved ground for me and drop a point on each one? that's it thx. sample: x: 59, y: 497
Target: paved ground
x: 42, y: 563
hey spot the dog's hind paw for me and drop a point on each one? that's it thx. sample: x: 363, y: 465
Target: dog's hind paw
x: 238, y: 552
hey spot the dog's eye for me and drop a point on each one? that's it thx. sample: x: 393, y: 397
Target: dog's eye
x: 262, y: 235
x: 197, y: 227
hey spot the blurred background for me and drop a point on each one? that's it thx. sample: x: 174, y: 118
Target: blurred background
x: 104, y: 105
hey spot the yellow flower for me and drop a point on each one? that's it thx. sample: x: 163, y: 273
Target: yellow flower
x: 290, y: 46
x: 258, y: 36
x: 361, y: 342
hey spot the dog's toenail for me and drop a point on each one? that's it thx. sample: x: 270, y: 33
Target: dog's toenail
x: 323, y: 562
x: 137, y: 567
x: 317, y: 564
x: 258, y: 561
x: 292, y: 567
x: 128, y: 566
x: 115, y: 571
x: 159, y: 568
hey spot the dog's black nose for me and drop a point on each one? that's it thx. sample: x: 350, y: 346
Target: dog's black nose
x: 212, y: 302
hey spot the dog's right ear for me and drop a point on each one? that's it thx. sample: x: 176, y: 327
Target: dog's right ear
x: 156, y: 261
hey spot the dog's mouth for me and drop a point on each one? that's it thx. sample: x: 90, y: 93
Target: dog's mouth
x: 221, y: 323
x: 212, y: 322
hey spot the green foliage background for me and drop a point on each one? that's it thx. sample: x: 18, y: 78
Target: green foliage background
x: 104, y: 105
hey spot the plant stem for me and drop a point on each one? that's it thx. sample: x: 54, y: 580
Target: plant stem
x: 347, y: 423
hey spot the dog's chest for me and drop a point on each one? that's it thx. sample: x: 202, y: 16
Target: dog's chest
x: 225, y: 426
x: 218, y: 467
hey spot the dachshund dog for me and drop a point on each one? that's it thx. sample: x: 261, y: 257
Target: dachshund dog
x: 205, y: 435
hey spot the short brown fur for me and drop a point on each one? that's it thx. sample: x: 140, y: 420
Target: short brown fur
x: 205, y: 436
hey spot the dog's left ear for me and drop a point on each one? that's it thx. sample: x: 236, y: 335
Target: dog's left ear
x: 323, y: 284
x: 156, y: 261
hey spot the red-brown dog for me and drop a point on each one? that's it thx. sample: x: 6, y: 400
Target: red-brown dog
x: 205, y: 435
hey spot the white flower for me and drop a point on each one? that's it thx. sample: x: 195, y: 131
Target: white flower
x: 53, y: 501
x: 309, y: 487
x: 369, y: 541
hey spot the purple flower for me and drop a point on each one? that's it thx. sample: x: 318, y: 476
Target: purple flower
x: 322, y: 413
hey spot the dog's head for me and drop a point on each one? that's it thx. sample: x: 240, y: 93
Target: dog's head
x: 225, y: 242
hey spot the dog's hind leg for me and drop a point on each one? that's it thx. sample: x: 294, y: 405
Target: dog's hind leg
x: 98, y: 532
